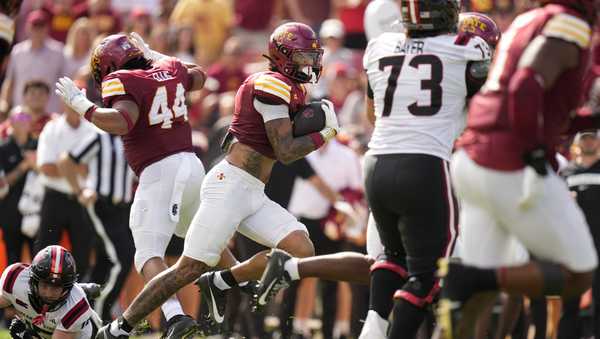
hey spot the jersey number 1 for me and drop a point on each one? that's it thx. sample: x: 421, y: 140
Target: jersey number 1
x: 433, y: 84
x: 160, y: 112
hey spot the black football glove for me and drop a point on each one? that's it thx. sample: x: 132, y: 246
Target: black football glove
x: 18, y: 330
x: 536, y: 158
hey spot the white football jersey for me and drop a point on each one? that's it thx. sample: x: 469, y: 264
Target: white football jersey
x: 75, y: 315
x: 419, y: 91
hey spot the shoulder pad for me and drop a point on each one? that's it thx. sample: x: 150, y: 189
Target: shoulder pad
x: 274, y: 86
x: 9, y: 276
x: 569, y: 28
x: 112, y: 85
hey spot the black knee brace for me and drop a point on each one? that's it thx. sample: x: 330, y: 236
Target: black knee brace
x: 419, y: 290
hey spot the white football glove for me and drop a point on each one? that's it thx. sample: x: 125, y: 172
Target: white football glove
x: 331, y: 123
x: 73, y: 96
x: 148, y: 52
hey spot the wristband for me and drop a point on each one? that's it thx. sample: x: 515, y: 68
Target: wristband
x: 317, y: 139
x: 89, y: 113
x: 328, y: 133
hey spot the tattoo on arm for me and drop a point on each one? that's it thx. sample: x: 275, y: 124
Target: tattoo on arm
x: 287, y: 148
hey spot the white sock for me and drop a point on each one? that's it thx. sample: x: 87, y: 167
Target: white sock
x: 220, y: 283
x: 171, y: 308
x: 291, y: 267
x: 115, y: 330
x: 300, y: 326
x: 341, y: 328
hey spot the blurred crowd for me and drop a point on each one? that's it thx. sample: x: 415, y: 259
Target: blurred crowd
x: 228, y: 38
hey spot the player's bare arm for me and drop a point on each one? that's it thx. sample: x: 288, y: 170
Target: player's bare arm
x: 549, y: 57
x: 287, y: 148
x: 58, y: 334
x: 198, y: 76
x: 117, y: 120
x: 370, y: 109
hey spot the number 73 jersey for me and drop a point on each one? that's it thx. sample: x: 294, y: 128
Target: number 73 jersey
x: 419, y: 90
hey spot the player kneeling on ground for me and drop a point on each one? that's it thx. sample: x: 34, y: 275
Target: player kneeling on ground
x: 48, y: 301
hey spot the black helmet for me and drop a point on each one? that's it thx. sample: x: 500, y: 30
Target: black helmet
x: 423, y: 18
x: 53, y: 265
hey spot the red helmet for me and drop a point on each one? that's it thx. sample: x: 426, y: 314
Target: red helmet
x: 477, y: 24
x: 295, y: 52
x: 111, y: 54
x: 588, y: 8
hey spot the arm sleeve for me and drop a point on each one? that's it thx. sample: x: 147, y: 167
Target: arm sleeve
x: 46, y: 153
x: 271, y: 112
x: 87, y: 149
x: 302, y: 168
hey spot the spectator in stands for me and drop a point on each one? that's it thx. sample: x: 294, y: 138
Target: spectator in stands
x: 310, y: 12
x: 17, y: 158
x: 103, y: 16
x: 36, y: 96
x: 140, y: 22
x: 79, y: 43
x: 184, y: 44
x: 60, y: 209
x: 212, y: 21
x: 229, y: 69
x: 39, y: 57
x: 254, y: 22
x: 351, y: 14
x: 62, y: 16
x: 160, y: 39
x: 332, y: 39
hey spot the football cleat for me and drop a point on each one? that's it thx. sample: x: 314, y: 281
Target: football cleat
x: 104, y: 333
x: 216, y: 299
x: 92, y: 291
x: 274, y: 277
x: 459, y: 307
x: 180, y: 327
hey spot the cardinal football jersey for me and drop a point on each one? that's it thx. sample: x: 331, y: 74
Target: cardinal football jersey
x: 162, y: 128
x: 419, y: 91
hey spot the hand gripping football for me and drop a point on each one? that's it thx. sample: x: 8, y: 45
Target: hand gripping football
x: 309, y: 119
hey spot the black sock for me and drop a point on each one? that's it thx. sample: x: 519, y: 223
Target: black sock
x: 228, y: 278
x: 487, y: 280
x: 384, y: 283
x: 407, y: 320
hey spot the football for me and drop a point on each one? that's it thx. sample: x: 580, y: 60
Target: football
x: 310, y: 118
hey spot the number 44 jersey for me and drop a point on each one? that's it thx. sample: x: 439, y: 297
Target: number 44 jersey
x: 162, y: 128
x: 419, y: 89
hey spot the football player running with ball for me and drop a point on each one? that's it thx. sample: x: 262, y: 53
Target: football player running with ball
x: 232, y: 194
x: 144, y: 95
